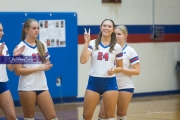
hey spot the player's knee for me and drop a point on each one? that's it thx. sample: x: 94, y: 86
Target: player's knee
x: 28, y: 115
x: 121, y: 113
x: 51, y: 117
x: 101, y: 118
x: 108, y: 115
x: 54, y: 119
x: 88, y: 117
x: 11, y: 117
x: 83, y: 118
x: 101, y: 115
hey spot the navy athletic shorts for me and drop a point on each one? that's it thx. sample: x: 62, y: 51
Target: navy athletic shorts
x: 3, y: 87
x: 101, y: 85
x: 131, y: 90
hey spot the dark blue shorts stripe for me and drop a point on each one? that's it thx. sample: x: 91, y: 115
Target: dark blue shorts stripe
x: 36, y: 91
x: 131, y: 90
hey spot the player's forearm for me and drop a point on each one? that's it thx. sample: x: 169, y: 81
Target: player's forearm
x: 118, y: 70
x: 11, y: 66
x: 119, y: 66
x: 131, y: 71
x: 25, y: 71
x: 84, y: 55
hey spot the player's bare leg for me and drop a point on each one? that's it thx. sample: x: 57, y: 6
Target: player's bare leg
x: 7, y: 105
x: 122, y: 104
x: 28, y: 101
x: 46, y: 105
x: 91, y: 100
x: 110, y: 100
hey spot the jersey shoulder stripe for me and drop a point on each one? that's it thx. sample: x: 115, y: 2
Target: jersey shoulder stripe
x: 90, y: 47
x: 134, y: 59
x: 47, y: 54
x: 119, y: 55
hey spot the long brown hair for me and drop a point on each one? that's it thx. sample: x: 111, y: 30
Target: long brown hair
x: 40, y: 45
x: 113, y: 37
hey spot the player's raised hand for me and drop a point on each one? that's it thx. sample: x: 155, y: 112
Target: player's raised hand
x: 1, y: 48
x: 86, y: 35
x: 18, y: 51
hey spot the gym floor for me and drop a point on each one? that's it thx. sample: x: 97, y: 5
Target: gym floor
x: 166, y: 107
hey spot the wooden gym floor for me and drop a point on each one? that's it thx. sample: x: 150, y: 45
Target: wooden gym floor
x: 141, y: 108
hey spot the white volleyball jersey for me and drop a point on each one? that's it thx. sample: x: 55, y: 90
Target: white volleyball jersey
x: 3, y: 72
x: 37, y: 80
x: 130, y: 58
x: 102, y: 60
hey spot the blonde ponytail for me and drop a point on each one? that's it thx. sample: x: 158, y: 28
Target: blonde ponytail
x: 41, y: 50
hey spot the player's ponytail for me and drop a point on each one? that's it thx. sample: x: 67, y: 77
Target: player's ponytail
x: 113, y: 42
x: 23, y: 35
x: 41, y: 50
x: 98, y: 40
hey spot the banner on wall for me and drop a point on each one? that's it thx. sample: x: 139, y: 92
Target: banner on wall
x: 52, y: 32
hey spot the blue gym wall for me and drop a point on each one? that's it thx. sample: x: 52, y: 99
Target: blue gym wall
x: 64, y: 59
